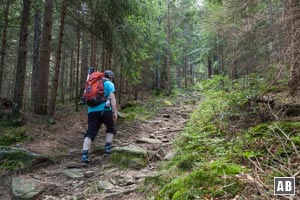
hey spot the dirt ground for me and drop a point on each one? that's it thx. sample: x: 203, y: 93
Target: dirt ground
x: 64, y: 139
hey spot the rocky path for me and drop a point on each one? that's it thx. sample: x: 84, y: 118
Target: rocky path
x: 68, y: 179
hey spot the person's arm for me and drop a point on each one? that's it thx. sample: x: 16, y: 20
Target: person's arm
x: 113, y: 103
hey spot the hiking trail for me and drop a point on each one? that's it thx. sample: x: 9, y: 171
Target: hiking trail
x: 68, y: 179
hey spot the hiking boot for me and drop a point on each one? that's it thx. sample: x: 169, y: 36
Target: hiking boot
x: 85, y: 160
x: 85, y: 157
x: 108, y: 148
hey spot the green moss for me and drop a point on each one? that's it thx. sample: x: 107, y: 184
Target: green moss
x: 286, y: 126
x: 137, y: 113
x: 126, y: 160
x: 16, y: 159
x: 11, y: 165
x: 227, y: 168
x: 186, y: 162
x: 10, y: 135
x: 260, y: 129
x: 200, y: 183
x: 296, y: 140
x: 168, y: 102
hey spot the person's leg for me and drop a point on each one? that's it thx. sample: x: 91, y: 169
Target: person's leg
x: 93, y: 128
x: 110, y: 131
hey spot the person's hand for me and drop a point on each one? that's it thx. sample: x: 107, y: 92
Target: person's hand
x: 115, y: 116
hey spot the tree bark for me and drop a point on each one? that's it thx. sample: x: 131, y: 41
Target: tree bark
x: 3, y: 46
x: 62, y: 78
x: 234, y: 74
x: 84, y: 61
x: 21, y: 63
x: 178, y: 76
x: 120, y: 83
x: 35, y: 54
x: 77, y: 68
x: 71, y: 76
x: 294, y: 16
x: 168, y: 64
x: 209, y: 67
x: 93, y: 51
x: 57, y: 63
x: 44, y: 60
x: 185, y: 71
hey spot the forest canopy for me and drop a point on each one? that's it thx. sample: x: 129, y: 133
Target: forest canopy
x: 152, y: 46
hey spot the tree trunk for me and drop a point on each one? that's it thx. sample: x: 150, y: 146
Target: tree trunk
x: 35, y: 55
x: 84, y: 62
x: 209, y: 67
x: 120, y: 83
x: 71, y: 75
x: 57, y: 64
x: 77, y: 68
x: 234, y: 74
x: 3, y: 46
x: 216, y: 68
x: 178, y: 76
x: 103, y: 56
x: 192, y: 74
x: 21, y: 63
x: 185, y: 71
x: 93, y: 51
x: 294, y: 16
x: 62, y: 78
x: 158, y: 72
x: 168, y: 64
x: 40, y: 106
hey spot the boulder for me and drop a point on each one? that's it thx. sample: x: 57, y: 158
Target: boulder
x: 14, y: 159
x: 26, y: 188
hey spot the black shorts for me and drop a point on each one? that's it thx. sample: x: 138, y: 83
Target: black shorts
x: 95, y: 120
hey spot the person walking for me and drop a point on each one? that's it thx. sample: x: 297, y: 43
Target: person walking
x: 105, y: 113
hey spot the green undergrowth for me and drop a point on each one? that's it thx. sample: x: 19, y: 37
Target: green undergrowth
x: 145, y: 110
x: 213, y: 151
x: 11, y: 135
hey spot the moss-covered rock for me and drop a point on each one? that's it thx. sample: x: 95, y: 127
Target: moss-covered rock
x: 26, y: 188
x: 129, y: 157
x: 14, y: 159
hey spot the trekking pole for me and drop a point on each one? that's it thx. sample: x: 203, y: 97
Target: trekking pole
x: 90, y: 71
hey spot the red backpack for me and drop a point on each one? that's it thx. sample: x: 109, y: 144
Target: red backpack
x: 94, y: 89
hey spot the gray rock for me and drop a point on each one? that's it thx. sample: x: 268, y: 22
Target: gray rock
x: 26, y: 188
x: 136, y: 163
x: 128, y: 180
x: 169, y: 156
x: 149, y: 140
x: 73, y: 173
x: 105, y: 185
x: 73, y: 165
x: 89, y: 174
x: 50, y: 198
x: 132, y: 149
x: 125, y: 180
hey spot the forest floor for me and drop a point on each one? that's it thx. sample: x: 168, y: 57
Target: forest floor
x: 64, y: 141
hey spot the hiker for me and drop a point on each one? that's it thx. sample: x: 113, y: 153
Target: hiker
x: 105, y: 113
